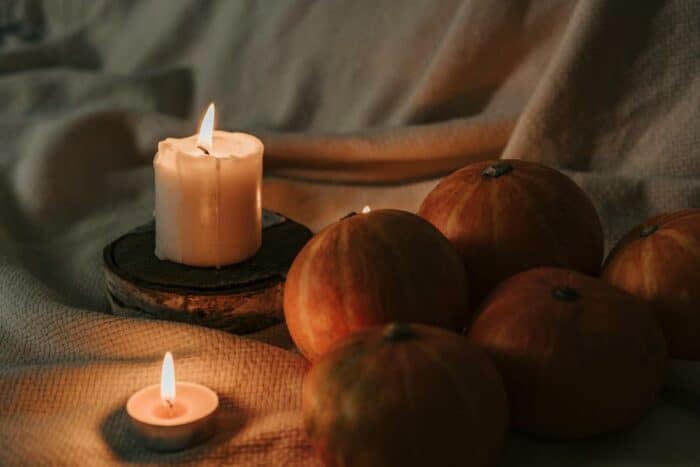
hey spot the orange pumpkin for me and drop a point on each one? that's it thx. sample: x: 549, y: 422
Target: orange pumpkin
x: 405, y: 395
x: 508, y: 216
x: 370, y: 269
x: 659, y: 261
x: 578, y: 356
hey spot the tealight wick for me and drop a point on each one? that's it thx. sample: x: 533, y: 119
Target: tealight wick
x: 203, y: 149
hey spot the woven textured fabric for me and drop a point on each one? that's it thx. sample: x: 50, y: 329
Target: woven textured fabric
x: 358, y: 102
x: 67, y: 373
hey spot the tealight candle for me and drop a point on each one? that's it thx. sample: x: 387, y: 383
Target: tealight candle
x: 208, y: 197
x: 171, y: 416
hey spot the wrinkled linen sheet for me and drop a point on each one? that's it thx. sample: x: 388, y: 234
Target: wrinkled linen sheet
x: 358, y: 102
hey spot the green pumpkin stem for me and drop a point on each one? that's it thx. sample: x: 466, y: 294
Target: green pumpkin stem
x: 496, y: 170
x: 648, y: 230
x: 565, y: 294
x: 398, y: 331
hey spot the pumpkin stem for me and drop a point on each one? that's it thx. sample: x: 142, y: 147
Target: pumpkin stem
x: 496, y: 170
x: 565, y: 293
x: 398, y: 331
x: 648, y: 230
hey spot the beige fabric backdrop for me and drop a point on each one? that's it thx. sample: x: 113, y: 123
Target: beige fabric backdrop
x: 358, y: 102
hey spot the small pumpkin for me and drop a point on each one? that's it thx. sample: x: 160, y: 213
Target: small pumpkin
x: 368, y: 269
x: 659, y: 261
x: 578, y: 356
x: 509, y: 216
x: 405, y: 395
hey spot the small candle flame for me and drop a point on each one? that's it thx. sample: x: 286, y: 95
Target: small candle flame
x: 167, y: 380
x: 205, y: 139
x: 366, y: 209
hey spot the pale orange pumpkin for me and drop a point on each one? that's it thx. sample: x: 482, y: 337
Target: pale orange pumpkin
x: 509, y: 216
x: 659, y: 261
x: 369, y: 269
x: 405, y: 395
x: 578, y: 356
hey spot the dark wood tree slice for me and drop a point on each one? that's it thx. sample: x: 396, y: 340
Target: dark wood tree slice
x: 239, y: 298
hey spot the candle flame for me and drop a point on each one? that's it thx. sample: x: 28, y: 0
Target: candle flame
x: 366, y: 209
x: 167, y: 380
x: 205, y: 139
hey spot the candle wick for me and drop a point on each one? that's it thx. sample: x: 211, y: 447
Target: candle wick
x: 203, y: 149
x: 169, y: 403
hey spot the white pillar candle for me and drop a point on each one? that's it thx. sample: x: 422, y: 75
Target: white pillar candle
x: 208, y: 201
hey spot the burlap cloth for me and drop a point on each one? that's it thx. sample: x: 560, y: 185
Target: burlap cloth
x: 358, y: 102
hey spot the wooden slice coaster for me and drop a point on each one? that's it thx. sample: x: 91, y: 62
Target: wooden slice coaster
x: 239, y: 298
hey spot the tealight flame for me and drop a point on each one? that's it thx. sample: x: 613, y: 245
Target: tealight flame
x: 167, y: 380
x: 205, y: 139
x: 366, y: 209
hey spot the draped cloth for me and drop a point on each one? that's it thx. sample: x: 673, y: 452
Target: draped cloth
x: 357, y: 102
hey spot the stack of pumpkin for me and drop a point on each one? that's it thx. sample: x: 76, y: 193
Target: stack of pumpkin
x: 431, y: 333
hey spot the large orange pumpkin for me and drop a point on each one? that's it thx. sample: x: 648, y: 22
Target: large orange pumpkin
x: 578, y: 356
x: 405, y: 395
x: 508, y: 216
x: 369, y: 269
x: 659, y: 261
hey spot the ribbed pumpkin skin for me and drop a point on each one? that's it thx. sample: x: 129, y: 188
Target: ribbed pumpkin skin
x: 659, y: 261
x: 423, y: 399
x: 575, y: 363
x: 370, y: 269
x: 501, y: 224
